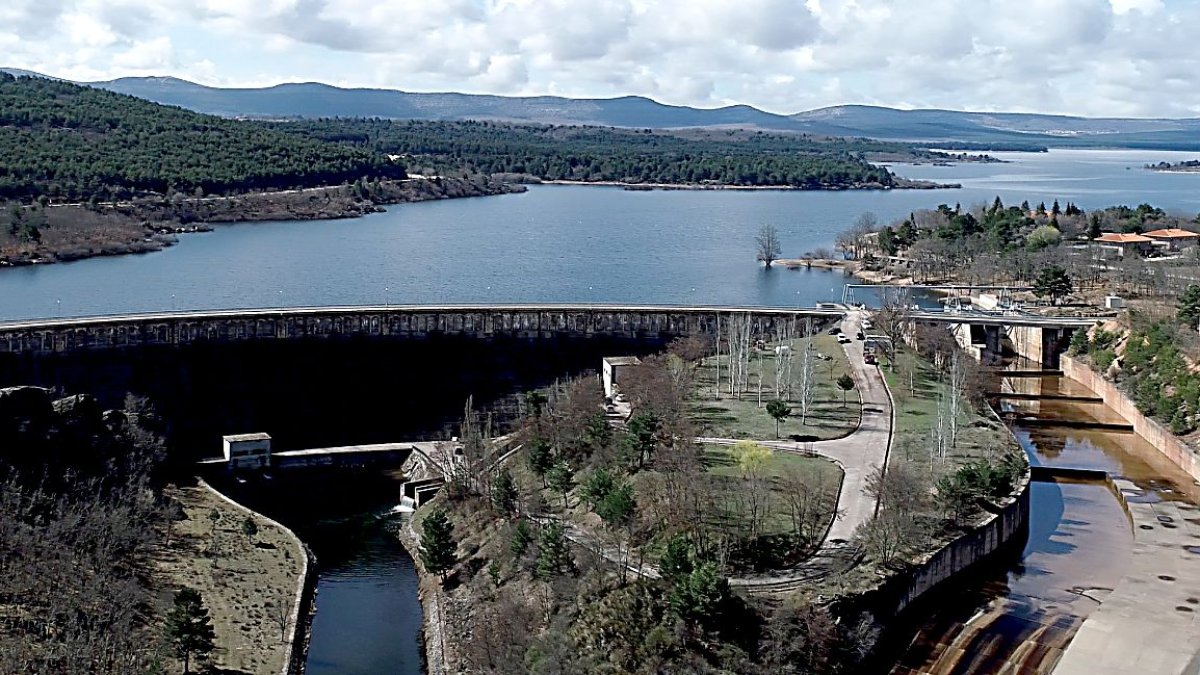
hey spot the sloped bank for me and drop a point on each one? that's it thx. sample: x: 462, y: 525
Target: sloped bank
x: 1171, y: 447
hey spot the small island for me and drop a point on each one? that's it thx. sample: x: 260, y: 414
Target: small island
x: 1189, y: 166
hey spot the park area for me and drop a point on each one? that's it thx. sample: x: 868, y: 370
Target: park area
x: 816, y: 408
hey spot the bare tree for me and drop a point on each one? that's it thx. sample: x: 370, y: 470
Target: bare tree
x: 893, y: 319
x: 956, y: 394
x: 811, y: 497
x: 806, y: 382
x: 769, y: 248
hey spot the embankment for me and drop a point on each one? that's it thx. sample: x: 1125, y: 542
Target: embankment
x: 1174, y: 449
x: 296, y: 635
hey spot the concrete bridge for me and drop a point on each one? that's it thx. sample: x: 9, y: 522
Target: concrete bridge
x: 1040, y: 339
x: 517, y: 320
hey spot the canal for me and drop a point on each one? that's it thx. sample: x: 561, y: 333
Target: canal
x: 368, y: 614
x: 1018, y: 615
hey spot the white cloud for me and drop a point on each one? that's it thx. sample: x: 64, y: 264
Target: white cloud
x: 1077, y: 56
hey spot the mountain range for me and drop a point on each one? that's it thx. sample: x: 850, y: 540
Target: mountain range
x: 932, y: 126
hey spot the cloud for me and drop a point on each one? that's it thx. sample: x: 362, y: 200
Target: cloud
x: 1099, y: 57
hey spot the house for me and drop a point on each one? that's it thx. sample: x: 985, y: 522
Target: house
x: 1124, y: 244
x: 247, y: 451
x: 611, y: 371
x: 1173, y: 238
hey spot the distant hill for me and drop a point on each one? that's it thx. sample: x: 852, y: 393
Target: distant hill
x: 68, y: 142
x: 977, y: 130
x: 968, y: 129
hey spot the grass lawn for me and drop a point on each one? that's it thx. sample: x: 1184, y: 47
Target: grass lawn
x: 732, y: 418
x: 915, y: 388
x: 719, y: 463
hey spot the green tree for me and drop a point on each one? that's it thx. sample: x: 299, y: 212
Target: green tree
x: 504, y: 493
x: 541, y: 458
x: 249, y: 527
x: 676, y: 561
x: 642, y: 436
x: 618, y: 506
x: 536, y: 400
x: 561, y: 479
x: 701, y: 596
x: 779, y: 410
x: 1043, y: 237
x: 597, y: 486
x: 438, y: 548
x: 554, y: 553
x: 846, y: 384
x: 1094, y: 226
x: 189, y: 627
x: 1053, y: 282
x: 1189, y: 305
x: 522, y: 537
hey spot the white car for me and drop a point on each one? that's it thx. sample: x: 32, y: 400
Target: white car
x: 842, y: 339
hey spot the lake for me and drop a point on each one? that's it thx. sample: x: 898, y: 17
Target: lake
x: 562, y: 244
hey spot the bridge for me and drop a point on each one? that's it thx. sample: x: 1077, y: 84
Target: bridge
x: 514, y: 320
x: 1038, y: 338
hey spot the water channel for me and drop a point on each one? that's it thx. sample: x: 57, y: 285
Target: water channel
x: 587, y: 244
x: 1017, y: 617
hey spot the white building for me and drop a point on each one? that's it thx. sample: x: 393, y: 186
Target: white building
x: 247, y: 451
x: 611, y: 372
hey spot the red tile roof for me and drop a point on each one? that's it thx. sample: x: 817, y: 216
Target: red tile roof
x: 1172, y: 233
x: 1117, y: 238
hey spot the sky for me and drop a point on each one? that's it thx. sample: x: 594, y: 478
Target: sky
x: 1085, y: 57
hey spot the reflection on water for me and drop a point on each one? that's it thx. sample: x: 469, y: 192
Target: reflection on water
x: 368, y: 619
x: 1017, y: 620
x: 1020, y: 618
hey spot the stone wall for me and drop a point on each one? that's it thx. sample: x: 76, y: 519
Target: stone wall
x: 1178, y: 452
x: 58, y: 336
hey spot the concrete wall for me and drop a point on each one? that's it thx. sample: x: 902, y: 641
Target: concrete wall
x: 1011, y: 522
x: 1160, y: 437
x: 58, y: 336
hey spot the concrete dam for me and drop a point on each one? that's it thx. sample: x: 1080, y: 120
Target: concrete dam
x: 315, y: 377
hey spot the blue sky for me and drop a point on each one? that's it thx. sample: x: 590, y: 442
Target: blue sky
x: 1088, y: 57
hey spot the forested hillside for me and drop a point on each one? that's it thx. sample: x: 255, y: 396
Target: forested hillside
x: 65, y: 142
x: 729, y: 157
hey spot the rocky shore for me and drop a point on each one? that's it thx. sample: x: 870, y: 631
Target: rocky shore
x: 77, y: 231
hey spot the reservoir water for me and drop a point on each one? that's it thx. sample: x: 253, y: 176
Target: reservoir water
x: 562, y: 244
x: 593, y: 244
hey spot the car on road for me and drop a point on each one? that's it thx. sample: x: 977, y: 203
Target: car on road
x: 859, y: 336
x: 842, y: 339
x: 835, y: 330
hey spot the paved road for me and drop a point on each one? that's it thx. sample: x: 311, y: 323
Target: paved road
x: 860, y: 453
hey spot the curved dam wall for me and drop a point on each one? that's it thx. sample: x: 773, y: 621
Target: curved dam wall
x: 339, y: 376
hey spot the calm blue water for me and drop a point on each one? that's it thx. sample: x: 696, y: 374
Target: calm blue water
x: 561, y: 244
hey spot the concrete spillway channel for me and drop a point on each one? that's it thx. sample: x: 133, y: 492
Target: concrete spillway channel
x: 1021, y: 615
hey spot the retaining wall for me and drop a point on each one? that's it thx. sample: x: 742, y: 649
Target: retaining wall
x: 1179, y: 453
x: 1009, y: 523
x: 298, y: 632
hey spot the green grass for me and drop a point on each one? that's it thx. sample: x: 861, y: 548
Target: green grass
x: 915, y: 388
x: 732, y: 418
x: 719, y: 463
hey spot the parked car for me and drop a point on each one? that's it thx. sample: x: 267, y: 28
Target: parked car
x: 859, y: 336
x: 870, y: 358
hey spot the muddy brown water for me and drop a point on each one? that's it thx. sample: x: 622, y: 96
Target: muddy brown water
x: 1017, y: 618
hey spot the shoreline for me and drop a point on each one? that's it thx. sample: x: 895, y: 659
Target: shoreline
x: 902, y: 184
x: 150, y: 227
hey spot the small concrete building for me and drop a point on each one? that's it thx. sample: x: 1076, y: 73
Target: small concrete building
x: 1173, y: 238
x: 1125, y: 244
x: 610, y: 373
x: 247, y: 451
